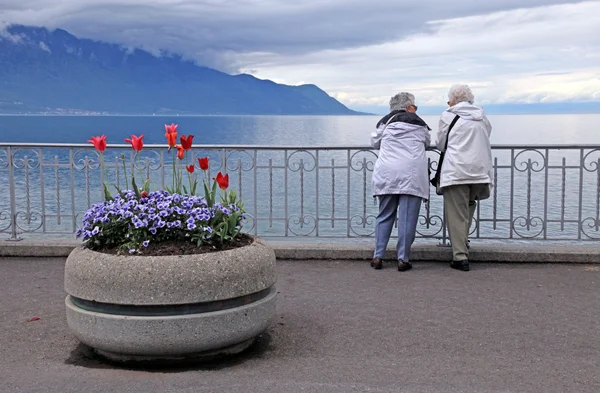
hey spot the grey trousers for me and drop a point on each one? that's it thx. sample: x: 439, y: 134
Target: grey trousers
x: 459, y: 203
x: 407, y: 208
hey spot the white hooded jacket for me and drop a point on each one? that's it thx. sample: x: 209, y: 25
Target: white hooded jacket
x: 401, y: 167
x: 469, y: 156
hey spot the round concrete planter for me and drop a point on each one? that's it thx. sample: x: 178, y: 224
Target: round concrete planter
x: 170, y: 307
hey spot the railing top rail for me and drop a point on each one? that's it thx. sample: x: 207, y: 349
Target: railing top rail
x: 280, y: 147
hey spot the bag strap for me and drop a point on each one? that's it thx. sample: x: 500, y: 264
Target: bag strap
x: 450, y: 129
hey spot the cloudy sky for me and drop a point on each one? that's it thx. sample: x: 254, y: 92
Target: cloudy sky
x: 359, y: 51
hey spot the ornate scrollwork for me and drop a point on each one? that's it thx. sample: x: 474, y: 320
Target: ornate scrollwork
x: 363, y: 159
x: 433, y: 162
x: 528, y: 223
x: 249, y: 219
x: 147, y: 160
x: 34, y: 220
x: 22, y: 159
x: 90, y: 159
x: 301, y: 164
x: 215, y: 158
x: 5, y: 217
x: 589, y: 164
x: 430, y: 227
x: 366, y: 223
x: 529, y: 164
x: 4, y: 158
x: 307, y: 224
x: 239, y: 160
x: 593, y: 224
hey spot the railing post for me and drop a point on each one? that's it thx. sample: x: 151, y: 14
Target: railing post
x: 14, y: 236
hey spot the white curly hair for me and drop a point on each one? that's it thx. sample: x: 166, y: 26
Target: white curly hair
x: 400, y: 101
x: 461, y: 93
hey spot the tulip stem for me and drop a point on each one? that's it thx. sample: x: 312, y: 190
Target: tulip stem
x: 106, y: 178
x: 174, y: 174
x: 125, y: 172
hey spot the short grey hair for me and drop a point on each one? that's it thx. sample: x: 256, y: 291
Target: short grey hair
x: 400, y: 101
x: 461, y: 93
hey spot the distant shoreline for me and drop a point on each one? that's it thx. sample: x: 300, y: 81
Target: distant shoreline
x: 179, y: 115
x: 489, y: 113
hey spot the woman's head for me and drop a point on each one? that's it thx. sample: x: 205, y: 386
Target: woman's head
x: 460, y: 93
x: 403, y: 102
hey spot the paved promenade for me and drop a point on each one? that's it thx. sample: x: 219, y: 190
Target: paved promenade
x: 343, y: 327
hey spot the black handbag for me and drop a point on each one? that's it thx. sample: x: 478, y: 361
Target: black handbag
x: 436, y: 178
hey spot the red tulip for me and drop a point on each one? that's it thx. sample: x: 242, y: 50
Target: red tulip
x: 186, y: 143
x: 203, y: 162
x: 180, y: 152
x: 144, y: 194
x: 171, y: 129
x: 171, y: 135
x: 136, y: 142
x: 99, y: 142
x: 190, y: 168
x: 222, y: 181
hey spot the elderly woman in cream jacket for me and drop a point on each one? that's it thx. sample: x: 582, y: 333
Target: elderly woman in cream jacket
x: 467, y: 172
x: 400, y: 177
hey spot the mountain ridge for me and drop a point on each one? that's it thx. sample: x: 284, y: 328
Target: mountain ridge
x: 53, y: 71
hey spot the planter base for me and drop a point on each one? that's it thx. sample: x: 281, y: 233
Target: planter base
x: 123, y: 337
x: 202, y: 357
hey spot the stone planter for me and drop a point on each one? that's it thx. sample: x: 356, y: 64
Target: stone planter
x: 170, y: 307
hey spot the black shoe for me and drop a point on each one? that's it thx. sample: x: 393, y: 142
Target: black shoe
x: 377, y: 264
x: 460, y: 265
x: 404, y: 266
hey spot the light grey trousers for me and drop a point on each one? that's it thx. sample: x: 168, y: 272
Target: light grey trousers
x: 407, y: 208
x: 459, y: 203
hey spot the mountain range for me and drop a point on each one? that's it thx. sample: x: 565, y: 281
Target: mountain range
x: 52, y: 71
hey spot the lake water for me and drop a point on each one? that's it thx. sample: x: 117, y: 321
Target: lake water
x: 540, y: 194
x: 282, y: 130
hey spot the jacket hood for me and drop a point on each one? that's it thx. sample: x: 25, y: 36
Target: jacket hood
x: 467, y: 111
x: 403, y: 116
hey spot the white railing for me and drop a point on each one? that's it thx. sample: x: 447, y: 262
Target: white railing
x: 540, y: 193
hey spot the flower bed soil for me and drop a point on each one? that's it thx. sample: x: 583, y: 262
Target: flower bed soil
x: 184, y: 248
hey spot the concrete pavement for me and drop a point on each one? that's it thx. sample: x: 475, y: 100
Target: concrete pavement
x: 343, y: 327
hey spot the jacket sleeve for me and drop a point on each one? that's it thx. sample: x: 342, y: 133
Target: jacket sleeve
x: 489, y: 133
x: 442, y: 134
x: 376, y: 137
x: 427, y: 138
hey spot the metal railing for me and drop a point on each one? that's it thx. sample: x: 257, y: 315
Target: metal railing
x: 549, y: 192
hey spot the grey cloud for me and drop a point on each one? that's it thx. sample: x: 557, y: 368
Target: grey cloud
x: 213, y: 32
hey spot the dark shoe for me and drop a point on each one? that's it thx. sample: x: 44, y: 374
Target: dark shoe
x: 377, y: 264
x: 460, y: 265
x: 404, y: 266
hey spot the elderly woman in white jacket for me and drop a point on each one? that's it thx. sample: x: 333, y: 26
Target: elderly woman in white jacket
x: 467, y: 171
x: 400, y: 176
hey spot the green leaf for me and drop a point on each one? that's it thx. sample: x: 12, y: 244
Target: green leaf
x: 214, y: 190
x: 207, y: 195
x: 224, y: 231
x: 185, y: 190
x: 232, y: 221
x: 135, y: 187
x: 107, y: 195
